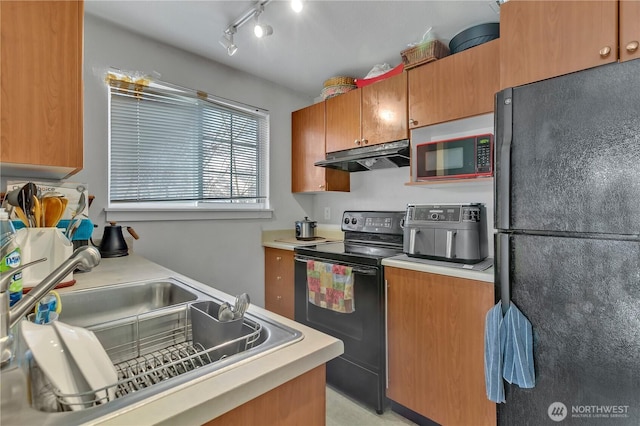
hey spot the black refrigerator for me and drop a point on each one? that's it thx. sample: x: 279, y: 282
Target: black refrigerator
x: 567, y: 253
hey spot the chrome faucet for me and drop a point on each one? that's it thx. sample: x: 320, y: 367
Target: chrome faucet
x: 84, y: 258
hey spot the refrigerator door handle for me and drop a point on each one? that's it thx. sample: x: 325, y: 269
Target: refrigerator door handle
x: 504, y: 137
x: 503, y: 248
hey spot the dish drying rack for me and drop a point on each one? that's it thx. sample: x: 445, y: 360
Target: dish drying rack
x: 159, y: 346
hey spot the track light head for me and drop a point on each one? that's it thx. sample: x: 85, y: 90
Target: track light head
x: 296, y: 5
x: 227, y: 42
x: 262, y: 30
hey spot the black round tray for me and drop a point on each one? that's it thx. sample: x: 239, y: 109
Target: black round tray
x: 474, y: 36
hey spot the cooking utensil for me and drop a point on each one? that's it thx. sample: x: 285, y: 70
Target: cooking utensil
x: 74, y: 227
x: 225, y: 313
x: 12, y: 197
x: 53, y: 210
x: 82, y: 202
x: 25, y: 201
x: 306, y: 229
x: 22, y: 216
x: 37, y: 212
x: 241, y: 306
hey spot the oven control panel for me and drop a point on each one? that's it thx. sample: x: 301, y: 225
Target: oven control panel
x: 373, y: 222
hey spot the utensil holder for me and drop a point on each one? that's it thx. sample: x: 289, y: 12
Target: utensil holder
x: 36, y: 243
x: 210, y: 332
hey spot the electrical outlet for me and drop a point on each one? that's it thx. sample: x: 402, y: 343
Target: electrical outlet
x: 327, y: 213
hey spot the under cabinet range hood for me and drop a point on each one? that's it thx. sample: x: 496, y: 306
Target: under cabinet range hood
x: 373, y: 157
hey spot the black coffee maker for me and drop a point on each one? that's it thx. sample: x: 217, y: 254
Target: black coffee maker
x: 113, y: 243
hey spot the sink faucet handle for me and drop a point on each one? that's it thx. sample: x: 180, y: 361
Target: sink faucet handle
x: 5, y: 280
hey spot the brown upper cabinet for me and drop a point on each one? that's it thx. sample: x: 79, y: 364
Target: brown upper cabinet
x: 629, y: 29
x: 371, y: 115
x: 458, y: 86
x: 308, y: 147
x: 41, y: 88
x: 544, y: 39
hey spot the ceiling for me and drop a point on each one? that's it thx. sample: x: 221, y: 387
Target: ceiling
x: 328, y: 38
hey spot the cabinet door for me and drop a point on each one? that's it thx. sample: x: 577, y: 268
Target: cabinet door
x: 629, y: 29
x: 343, y: 121
x: 458, y: 86
x: 41, y: 85
x: 384, y: 111
x: 307, y: 147
x: 435, y: 337
x: 544, y: 39
x: 300, y: 401
x: 278, y: 275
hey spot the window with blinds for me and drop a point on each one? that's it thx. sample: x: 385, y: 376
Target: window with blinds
x: 176, y: 147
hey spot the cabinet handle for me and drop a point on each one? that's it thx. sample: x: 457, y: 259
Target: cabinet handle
x: 364, y: 141
x: 632, y: 47
x: 279, y: 297
x: 278, y: 277
x: 605, y: 51
x: 321, y: 186
x: 357, y: 142
x: 278, y: 257
x: 412, y: 122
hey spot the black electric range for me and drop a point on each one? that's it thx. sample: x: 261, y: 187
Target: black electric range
x: 370, y: 236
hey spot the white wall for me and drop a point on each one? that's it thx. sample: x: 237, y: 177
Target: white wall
x: 226, y: 254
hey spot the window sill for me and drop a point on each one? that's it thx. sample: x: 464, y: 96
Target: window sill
x: 120, y: 214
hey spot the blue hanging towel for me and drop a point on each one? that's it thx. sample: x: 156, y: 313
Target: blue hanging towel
x: 518, y: 349
x: 493, y: 344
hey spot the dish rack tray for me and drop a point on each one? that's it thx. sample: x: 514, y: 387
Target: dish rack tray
x: 145, y: 350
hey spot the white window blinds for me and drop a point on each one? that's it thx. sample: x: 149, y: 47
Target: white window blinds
x: 175, y: 146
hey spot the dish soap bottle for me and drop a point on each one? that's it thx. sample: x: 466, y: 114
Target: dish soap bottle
x: 10, y: 253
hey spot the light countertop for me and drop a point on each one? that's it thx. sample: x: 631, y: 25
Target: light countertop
x: 280, y: 240
x: 285, y: 239
x: 486, y: 275
x: 212, y: 394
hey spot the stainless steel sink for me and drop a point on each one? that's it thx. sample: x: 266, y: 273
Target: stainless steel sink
x: 147, y: 329
x: 95, y: 306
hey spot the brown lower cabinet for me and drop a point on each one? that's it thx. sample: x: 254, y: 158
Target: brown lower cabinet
x: 301, y: 401
x: 278, y: 281
x: 435, y: 332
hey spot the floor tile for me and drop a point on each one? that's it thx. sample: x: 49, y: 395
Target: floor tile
x: 343, y: 411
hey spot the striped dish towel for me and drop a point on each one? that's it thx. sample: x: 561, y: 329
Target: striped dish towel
x: 508, y: 351
x: 331, y: 286
x: 518, y: 351
x: 493, y: 345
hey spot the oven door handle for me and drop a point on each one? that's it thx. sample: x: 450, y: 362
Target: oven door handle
x: 355, y: 269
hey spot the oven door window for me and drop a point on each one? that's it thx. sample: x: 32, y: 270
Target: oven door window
x: 448, y: 158
x: 359, y: 330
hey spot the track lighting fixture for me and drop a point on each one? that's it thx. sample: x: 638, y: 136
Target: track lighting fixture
x: 227, y: 41
x: 261, y: 30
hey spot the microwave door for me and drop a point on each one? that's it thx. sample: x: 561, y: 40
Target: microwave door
x: 444, y: 159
